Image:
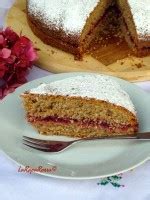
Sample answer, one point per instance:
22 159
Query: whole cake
71 25
81 106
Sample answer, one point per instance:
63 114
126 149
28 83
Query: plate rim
51 175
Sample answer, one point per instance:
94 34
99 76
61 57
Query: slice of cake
135 24
69 25
81 106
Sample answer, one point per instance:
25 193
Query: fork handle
139 136
144 135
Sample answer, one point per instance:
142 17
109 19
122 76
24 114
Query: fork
57 146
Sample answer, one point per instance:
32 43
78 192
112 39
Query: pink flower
16 57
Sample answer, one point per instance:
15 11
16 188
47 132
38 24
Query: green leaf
116 177
115 184
104 182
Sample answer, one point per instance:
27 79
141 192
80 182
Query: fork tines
42 145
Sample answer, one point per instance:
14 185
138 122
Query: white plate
86 160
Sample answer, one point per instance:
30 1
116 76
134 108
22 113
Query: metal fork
57 146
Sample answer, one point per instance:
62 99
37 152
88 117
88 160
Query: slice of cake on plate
81 106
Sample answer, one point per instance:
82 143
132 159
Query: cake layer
42 106
97 123
76 130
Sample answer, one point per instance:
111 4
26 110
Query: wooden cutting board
54 60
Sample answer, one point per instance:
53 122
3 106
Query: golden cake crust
50 37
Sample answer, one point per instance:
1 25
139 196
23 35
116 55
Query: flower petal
1 93
31 54
3 69
1 39
6 53
10 36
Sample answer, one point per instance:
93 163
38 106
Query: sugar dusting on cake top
69 15
99 87
140 10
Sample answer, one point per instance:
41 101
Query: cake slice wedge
135 24
81 106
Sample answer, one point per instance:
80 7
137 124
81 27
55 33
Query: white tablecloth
134 184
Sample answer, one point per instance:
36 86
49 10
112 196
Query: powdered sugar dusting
69 15
141 15
99 87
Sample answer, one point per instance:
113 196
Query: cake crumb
132 61
52 51
121 62
139 65
118 43
37 49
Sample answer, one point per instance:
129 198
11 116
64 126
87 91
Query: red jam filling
83 123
